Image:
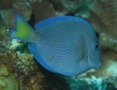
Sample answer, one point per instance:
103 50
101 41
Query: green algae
7 80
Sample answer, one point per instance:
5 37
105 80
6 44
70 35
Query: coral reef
19 7
40 12
3 31
104 16
92 83
75 5
5 4
7 80
34 82
109 64
108 42
24 62
16 60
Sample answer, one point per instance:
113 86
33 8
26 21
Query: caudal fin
22 30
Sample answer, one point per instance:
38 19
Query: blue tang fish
63 44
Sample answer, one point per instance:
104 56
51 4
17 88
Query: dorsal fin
57 19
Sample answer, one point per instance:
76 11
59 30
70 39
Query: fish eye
96 46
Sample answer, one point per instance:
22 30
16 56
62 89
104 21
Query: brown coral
37 81
104 16
32 83
42 10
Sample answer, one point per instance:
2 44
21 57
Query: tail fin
22 30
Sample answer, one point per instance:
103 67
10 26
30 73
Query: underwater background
20 71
